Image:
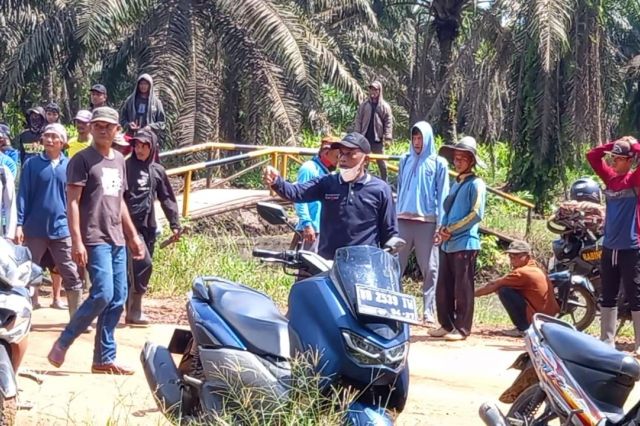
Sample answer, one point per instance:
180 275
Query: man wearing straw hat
459 238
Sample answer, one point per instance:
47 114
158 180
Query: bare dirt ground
448 380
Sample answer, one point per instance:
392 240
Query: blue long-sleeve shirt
42 198
464 215
356 213
309 213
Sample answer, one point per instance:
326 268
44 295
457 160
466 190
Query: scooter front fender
360 414
8 386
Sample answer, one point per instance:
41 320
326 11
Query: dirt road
448 380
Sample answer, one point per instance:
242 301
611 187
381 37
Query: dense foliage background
548 78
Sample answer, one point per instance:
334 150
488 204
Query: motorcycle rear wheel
582 308
531 407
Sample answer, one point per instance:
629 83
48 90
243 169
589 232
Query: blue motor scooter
350 311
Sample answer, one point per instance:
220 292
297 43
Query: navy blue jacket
42 198
356 213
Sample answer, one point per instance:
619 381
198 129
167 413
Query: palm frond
549 20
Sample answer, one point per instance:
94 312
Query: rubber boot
608 325
635 316
135 316
74 299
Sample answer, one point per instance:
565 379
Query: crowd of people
440 222
353 207
84 206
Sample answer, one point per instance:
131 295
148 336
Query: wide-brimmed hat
466 144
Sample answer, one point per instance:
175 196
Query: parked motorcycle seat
585 350
254 316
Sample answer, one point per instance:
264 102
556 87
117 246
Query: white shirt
9 209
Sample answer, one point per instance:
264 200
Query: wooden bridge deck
210 202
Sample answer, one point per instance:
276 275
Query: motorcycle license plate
387 304
592 255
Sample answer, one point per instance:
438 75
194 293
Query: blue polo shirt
356 213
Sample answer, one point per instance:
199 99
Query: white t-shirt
9 211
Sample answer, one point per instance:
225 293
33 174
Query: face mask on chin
352 173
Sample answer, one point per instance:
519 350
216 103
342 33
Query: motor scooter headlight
365 352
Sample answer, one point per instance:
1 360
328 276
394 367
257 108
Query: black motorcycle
575 272
578 252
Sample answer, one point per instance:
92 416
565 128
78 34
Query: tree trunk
446 21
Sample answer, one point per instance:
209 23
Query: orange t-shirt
533 284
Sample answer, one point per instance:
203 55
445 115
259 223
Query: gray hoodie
135 109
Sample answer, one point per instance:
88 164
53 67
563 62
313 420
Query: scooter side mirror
272 213
394 245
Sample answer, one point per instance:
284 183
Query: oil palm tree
252 68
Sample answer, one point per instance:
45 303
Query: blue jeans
108 272
516 306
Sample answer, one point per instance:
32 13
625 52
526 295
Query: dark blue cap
354 140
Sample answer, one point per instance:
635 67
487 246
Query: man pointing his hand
357 208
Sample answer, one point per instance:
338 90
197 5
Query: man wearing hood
142 108
146 181
28 142
375 121
423 184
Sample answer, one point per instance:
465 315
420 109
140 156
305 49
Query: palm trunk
447 121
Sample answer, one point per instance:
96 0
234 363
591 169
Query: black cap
99 88
52 106
145 136
354 140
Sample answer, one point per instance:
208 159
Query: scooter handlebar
268 254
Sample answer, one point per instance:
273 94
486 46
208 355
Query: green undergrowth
200 255
175 267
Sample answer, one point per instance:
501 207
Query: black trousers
378 148
620 266
455 290
140 270
516 306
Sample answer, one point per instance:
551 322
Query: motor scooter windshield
365 266
16 268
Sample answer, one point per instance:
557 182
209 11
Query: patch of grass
307 402
198 255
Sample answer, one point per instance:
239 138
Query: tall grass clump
301 399
176 266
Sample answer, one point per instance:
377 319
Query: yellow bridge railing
278 157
